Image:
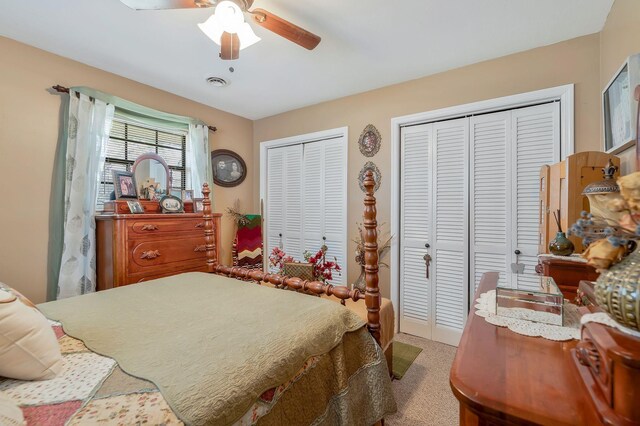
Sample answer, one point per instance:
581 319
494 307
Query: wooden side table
500 377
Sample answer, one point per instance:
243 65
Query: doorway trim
564 94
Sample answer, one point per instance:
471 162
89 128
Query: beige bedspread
211 344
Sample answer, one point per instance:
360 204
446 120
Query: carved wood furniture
371 295
500 377
132 248
608 362
567 273
561 187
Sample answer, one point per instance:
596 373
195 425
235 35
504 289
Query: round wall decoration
369 141
229 168
377 176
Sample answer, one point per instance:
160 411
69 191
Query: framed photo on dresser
124 184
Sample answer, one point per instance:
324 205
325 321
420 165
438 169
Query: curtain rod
62 89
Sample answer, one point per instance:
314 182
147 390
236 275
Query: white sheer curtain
199 161
88 128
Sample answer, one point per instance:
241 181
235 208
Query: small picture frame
171 204
124 184
198 205
135 207
187 195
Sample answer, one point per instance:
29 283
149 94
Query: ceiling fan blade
229 46
168 4
285 29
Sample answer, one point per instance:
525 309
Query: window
127 141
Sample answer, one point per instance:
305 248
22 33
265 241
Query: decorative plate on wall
369 141
377 176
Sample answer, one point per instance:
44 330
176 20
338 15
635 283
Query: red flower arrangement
322 268
278 258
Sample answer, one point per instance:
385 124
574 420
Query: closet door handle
280 235
427 245
517 252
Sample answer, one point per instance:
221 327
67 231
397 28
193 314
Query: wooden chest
132 248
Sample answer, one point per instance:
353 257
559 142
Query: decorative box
300 270
544 304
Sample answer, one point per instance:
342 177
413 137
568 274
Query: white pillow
29 349
10 413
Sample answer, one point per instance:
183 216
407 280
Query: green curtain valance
141 114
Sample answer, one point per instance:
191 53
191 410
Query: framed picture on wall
229 169
619 107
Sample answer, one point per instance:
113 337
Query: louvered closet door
490 192
535 142
292 206
275 198
324 199
334 204
312 199
415 230
449 267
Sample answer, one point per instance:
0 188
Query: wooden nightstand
567 272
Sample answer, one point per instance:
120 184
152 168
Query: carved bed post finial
209 240
372 292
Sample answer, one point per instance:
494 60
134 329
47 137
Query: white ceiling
366 44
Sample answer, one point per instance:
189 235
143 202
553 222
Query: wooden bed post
372 292
636 96
209 240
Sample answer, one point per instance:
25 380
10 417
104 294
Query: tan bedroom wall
620 38
28 136
573 61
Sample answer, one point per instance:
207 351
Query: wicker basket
298 269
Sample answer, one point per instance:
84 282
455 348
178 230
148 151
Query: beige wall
620 38
28 135
574 61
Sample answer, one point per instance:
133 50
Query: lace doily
486 308
604 318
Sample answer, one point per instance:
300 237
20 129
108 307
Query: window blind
127 141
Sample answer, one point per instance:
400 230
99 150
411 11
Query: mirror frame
153 156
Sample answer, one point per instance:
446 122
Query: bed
216 348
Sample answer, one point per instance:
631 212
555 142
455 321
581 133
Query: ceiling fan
227 27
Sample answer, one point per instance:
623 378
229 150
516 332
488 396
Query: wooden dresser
501 377
132 248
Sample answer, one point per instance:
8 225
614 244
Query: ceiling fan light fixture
247 36
229 18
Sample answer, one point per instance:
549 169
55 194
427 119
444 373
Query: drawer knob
202 247
149 227
588 356
151 254
200 225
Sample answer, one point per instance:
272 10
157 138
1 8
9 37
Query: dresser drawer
165 226
166 253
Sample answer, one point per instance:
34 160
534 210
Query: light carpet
423 395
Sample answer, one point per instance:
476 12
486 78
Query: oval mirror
153 176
